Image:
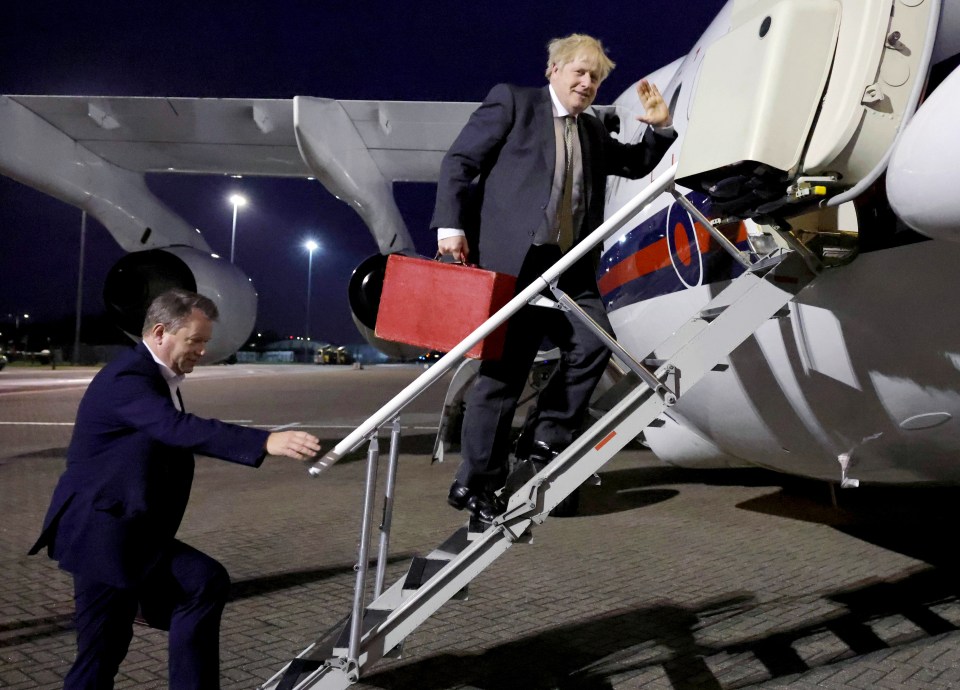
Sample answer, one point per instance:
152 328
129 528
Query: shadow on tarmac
257 586
904 519
27 630
907 520
21 631
575 656
622 490
595 653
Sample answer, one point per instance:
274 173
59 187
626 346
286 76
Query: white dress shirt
173 380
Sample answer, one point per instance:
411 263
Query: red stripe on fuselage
651 258
655 256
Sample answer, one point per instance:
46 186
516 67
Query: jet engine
923 177
139 277
366 284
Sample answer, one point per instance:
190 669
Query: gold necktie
565 212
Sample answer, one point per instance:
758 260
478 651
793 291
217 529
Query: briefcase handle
439 257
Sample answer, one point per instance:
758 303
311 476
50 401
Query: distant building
313 352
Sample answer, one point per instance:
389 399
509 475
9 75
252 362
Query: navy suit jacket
119 503
504 160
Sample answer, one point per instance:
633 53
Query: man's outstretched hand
293 444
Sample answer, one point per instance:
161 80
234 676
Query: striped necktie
565 213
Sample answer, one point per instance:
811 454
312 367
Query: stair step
767 263
476 528
452 546
711 314
421 570
693 349
371 618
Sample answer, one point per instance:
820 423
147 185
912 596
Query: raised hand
655 108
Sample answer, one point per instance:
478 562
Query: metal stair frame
693 350
449 360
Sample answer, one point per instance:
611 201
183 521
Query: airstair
339 658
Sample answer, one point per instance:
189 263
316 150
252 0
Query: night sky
452 51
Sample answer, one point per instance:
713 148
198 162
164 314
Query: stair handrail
390 409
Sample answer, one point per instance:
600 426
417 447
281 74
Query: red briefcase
436 305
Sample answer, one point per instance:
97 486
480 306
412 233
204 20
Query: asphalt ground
668 578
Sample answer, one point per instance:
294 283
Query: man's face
182 349
576 84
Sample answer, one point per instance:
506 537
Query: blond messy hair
560 51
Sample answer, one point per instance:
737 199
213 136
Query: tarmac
667 578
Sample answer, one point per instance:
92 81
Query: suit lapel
543 125
586 153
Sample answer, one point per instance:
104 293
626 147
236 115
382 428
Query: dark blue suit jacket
504 161
129 470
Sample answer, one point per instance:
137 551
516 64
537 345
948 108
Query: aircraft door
802 100
760 85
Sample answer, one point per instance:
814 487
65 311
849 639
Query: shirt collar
172 379
558 109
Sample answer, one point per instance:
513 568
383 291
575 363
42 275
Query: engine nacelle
678 444
139 277
924 177
366 284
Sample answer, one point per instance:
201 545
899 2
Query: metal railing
448 361
389 413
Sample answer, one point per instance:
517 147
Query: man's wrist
444 233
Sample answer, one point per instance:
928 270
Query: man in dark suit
532 164
116 509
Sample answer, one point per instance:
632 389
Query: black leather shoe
485 506
459 495
542 453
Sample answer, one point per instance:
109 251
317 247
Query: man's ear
157 331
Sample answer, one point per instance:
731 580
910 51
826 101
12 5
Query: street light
237 200
311 247
76 330
16 326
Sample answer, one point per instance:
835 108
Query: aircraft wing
93 152
186 135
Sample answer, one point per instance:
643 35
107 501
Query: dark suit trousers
492 401
184 594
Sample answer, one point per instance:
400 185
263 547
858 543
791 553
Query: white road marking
14 382
250 423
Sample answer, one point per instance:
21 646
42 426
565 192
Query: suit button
532 233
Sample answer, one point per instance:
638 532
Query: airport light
311 247
16 325
237 200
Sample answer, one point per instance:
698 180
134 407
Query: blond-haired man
523 182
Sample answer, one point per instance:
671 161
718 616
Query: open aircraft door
801 102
